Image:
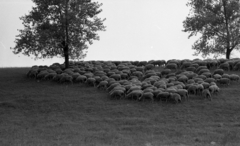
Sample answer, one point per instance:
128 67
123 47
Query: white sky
136 30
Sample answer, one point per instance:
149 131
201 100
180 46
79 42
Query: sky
136 30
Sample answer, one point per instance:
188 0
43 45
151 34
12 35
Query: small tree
218 22
59 28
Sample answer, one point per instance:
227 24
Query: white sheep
41 75
209 80
234 77
206 94
112 86
32 73
117 94
91 81
171 66
146 95
218 71
134 88
118 88
183 93
50 76
136 94
214 89
163 96
175 97
225 81
217 76
200 88
102 85
224 66
66 79
192 89
81 79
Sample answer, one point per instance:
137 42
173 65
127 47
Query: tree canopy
218 22
61 28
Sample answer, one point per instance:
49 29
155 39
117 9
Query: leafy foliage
218 22
55 25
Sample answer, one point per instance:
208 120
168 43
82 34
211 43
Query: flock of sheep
140 80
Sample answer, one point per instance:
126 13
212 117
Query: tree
60 28
218 22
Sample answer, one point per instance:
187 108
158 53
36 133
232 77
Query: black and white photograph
119 72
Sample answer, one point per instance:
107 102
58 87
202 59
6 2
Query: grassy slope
46 113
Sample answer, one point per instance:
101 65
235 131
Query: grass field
49 114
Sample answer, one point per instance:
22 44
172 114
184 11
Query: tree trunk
66 49
66 56
228 53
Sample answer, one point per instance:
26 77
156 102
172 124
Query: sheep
146 95
175 97
111 81
118 88
75 75
217 76
50 76
139 74
57 77
190 81
185 65
171 89
66 79
112 86
218 71
81 79
147 90
207 74
149 66
134 88
191 68
183 79
206 94
237 66
200 88
183 93
91 81
197 79
102 85
117 94
32 73
214 89
192 89
117 77
209 80
234 77
205 85
124 76
136 94
163 96
225 81
202 71
140 68
201 67
166 71
146 85
202 76
172 66
224 66
226 76
98 80
41 75
157 91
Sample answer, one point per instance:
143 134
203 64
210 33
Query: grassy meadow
50 114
